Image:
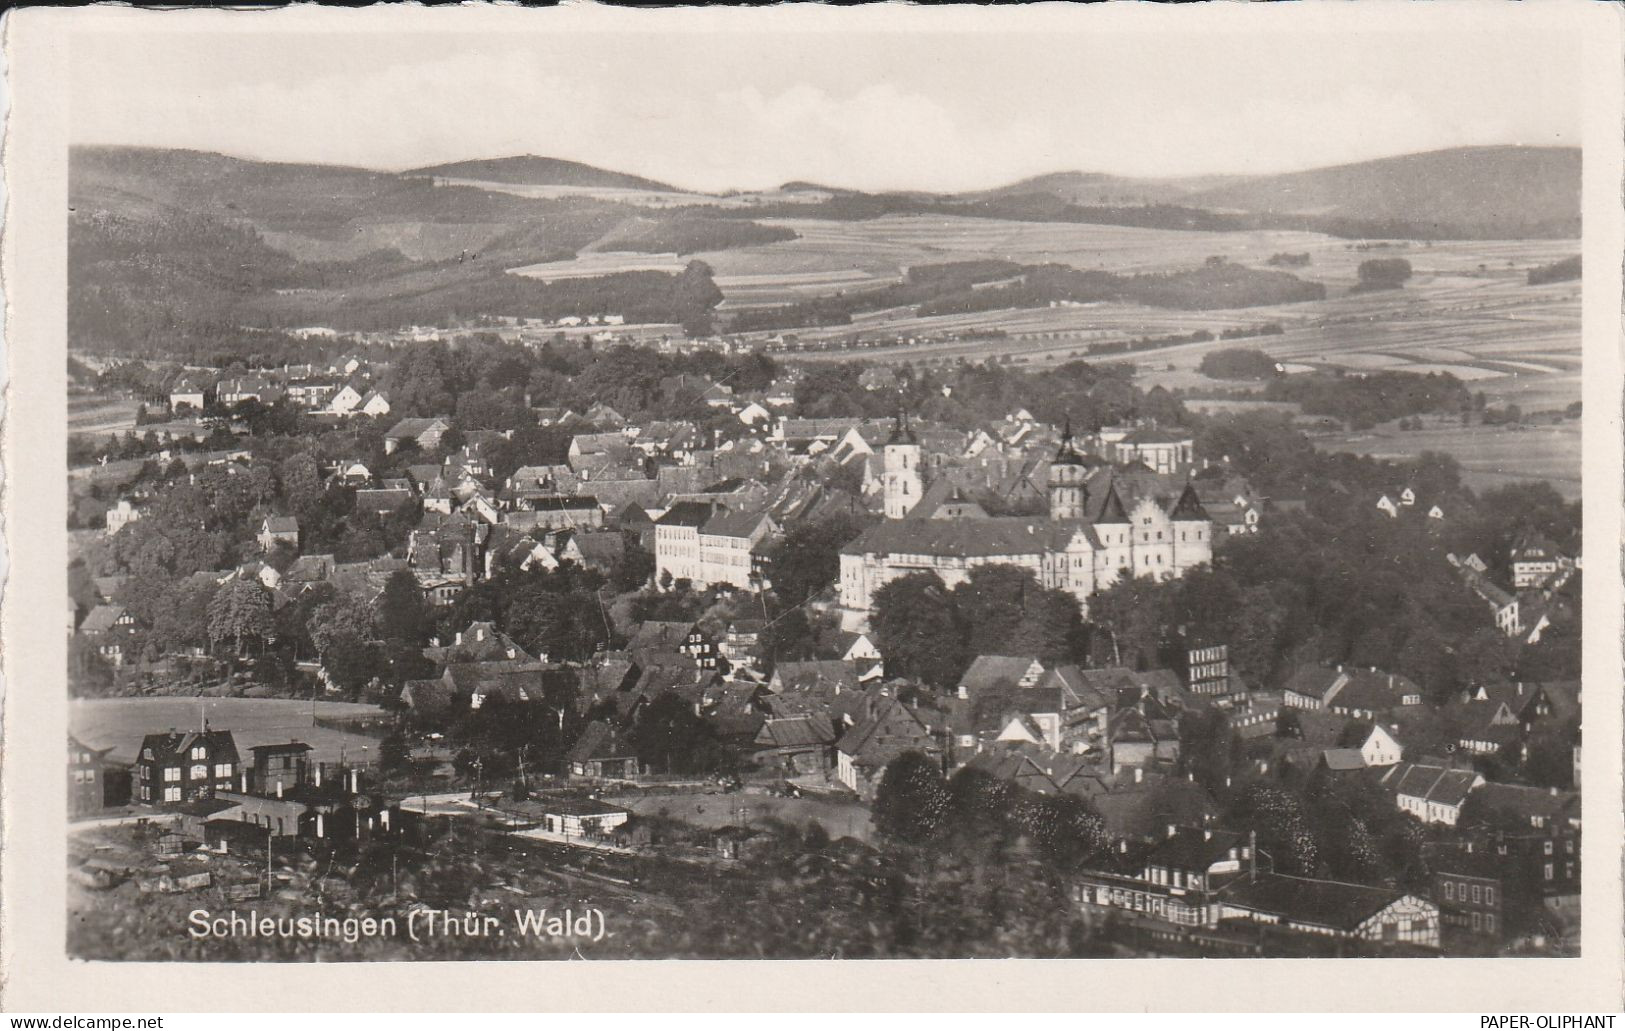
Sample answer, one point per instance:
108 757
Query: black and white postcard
1091 484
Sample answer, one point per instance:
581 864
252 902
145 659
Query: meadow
1490 456
95 414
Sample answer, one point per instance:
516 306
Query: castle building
1102 524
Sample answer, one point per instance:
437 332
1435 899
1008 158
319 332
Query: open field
1517 343
120 723
840 819
1490 456
92 414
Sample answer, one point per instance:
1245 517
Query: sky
869 110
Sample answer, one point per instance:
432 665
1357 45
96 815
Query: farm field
1517 343
1490 456
840 819
120 723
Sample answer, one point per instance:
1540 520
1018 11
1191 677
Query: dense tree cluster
1383 273
928 632
1364 401
1237 363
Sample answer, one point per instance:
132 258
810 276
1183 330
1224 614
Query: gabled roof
600 741
1330 904
102 619
659 635
1441 784
1528 802
687 513
995 673
1342 760
174 746
970 538
281 524
822 677
796 732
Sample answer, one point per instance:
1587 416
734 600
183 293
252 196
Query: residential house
183 766
1433 794
796 745
191 390
425 433
121 515
886 729
601 753
1469 889
112 630
88 780
278 529
1381 747
1538 563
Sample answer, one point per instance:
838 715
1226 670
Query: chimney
245 781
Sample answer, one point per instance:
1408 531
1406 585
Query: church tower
904 481
1068 494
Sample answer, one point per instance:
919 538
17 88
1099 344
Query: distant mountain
1484 192
1097 188
1487 191
529 170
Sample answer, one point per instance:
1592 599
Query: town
768 657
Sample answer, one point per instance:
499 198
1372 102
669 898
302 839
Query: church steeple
904 478
1068 495
901 433
1067 454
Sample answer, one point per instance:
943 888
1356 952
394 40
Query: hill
1097 188
174 251
1489 192
529 170
1505 192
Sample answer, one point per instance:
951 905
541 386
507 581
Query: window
172 794
1489 922
199 752
1477 893
172 773
1477 922
1449 891
200 771
1546 847
222 769
1547 871
1489 895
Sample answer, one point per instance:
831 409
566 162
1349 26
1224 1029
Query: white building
1091 536
707 544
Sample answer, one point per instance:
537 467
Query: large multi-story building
707 544
1091 535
